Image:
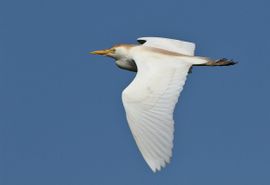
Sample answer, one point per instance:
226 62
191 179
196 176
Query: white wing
149 103
183 47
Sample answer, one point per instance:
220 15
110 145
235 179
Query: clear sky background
61 115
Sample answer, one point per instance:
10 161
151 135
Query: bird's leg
219 62
223 62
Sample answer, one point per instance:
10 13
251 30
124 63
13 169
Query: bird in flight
162 66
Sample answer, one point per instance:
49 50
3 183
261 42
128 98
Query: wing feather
149 102
178 46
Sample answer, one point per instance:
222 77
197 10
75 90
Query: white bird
162 66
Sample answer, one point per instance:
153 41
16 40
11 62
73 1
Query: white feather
178 46
149 102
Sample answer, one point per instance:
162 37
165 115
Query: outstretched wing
183 47
149 102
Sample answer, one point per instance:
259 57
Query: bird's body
149 101
128 62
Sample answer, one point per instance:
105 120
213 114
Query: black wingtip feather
141 41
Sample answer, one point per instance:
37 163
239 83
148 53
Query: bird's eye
113 50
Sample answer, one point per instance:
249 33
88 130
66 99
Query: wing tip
156 167
141 41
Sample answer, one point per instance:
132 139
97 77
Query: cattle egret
162 66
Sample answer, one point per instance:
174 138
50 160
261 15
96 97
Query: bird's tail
219 62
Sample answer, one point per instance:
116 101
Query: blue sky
61 116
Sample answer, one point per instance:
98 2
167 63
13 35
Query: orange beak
102 52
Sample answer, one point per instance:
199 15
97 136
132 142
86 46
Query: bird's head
117 52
